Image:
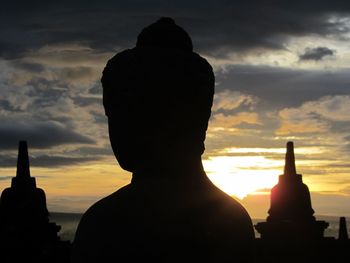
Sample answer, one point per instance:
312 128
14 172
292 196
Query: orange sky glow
245 178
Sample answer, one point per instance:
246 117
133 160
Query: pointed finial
289 168
23 161
343 231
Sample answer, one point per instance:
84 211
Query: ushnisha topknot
165 33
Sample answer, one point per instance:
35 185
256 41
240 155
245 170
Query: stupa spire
343 231
23 170
289 168
23 178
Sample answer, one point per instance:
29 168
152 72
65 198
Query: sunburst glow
242 175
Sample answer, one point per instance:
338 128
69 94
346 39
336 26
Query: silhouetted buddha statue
291 214
158 99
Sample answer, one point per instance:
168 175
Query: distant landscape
70 221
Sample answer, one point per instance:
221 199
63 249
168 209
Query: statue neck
185 170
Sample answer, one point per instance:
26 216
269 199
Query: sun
242 175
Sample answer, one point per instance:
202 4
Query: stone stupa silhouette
291 214
25 230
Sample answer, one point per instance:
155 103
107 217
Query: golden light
311 150
242 175
249 170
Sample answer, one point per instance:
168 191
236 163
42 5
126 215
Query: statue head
158 97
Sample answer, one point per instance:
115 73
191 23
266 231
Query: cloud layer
217 27
39 135
282 73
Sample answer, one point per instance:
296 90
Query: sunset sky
282 73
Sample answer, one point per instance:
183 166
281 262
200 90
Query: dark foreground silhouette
158 98
291 214
291 233
26 235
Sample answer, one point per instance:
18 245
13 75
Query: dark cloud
100 119
75 73
96 89
86 101
11 50
279 87
91 151
6 105
346 147
46 92
216 26
31 67
50 161
45 161
38 135
318 53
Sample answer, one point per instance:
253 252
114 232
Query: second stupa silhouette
23 205
291 214
26 233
